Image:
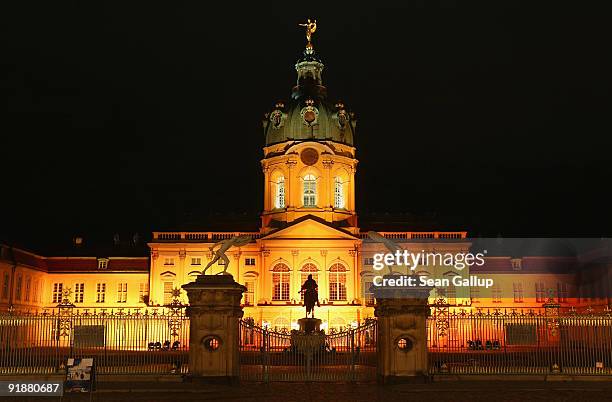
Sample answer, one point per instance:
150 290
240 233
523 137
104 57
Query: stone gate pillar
402 332
214 339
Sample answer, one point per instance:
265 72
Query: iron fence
494 341
294 356
486 341
121 342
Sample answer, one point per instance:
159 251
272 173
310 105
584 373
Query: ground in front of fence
288 392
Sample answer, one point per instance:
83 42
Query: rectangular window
122 293
475 294
280 281
143 292
58 288
168 289
18 286
367 293
280 193
28 288
368 261
168 261
451 294
196 261
518 292
562 292
310 191
249 295
100 292
540 292
338 193
79 292
36 294
249 261
496 294
337 286
5 285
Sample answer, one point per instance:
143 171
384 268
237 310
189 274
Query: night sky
122 117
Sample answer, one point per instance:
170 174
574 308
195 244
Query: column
402 333
215 313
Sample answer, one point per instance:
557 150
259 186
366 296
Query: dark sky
134 117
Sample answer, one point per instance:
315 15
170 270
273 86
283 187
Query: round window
212 343
404 344
309 156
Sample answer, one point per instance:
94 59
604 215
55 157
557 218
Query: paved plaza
489 391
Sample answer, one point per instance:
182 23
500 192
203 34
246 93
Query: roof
15 255
528 265
308 115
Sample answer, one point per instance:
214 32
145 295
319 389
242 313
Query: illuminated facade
308 226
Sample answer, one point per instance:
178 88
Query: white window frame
339 201
100 292
79 292
309 191
57 293
279 197
122 290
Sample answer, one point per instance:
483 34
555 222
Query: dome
309 115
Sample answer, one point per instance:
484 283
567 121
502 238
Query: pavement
488 391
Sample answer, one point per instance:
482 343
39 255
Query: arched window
338 193
337 282
281 324
310 191
337 324
309 269
280 280
279 198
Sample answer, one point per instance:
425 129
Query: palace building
309 226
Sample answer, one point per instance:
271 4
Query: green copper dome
309 115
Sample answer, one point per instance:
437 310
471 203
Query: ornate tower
309 158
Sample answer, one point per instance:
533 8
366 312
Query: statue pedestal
402 333
214 344
309 325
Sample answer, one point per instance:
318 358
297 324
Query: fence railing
201 236
120 343
532 342
419 235
487 341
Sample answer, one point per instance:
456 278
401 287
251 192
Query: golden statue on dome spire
311 27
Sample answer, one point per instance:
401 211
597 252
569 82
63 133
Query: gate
294 356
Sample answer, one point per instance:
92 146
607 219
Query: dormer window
102 263
517 264
310 191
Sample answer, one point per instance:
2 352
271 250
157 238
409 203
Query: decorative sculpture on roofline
311 27
389 244
224 245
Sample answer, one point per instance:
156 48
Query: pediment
310 229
